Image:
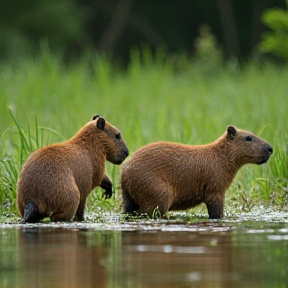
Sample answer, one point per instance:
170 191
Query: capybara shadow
56 180
171 176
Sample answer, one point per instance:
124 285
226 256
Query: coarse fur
172 176
56 180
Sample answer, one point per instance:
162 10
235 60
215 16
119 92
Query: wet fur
174 176
55 180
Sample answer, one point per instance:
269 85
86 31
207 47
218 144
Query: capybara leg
80 215
31 213
67 209
129 205
106 184
61 216
81 210
156 200
153 208
215 210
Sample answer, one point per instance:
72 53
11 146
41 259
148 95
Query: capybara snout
269 149
121 156
267 152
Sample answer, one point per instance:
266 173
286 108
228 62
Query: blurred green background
112 27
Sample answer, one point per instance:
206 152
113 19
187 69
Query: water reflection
59 258
198 255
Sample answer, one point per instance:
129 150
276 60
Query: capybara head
114 146
247 147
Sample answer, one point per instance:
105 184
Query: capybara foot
215 210
79 216
108 192
107 186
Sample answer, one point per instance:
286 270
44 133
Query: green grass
151 100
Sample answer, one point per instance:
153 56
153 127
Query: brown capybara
56 180
171 176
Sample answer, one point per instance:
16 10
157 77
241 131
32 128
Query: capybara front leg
106 184
215 209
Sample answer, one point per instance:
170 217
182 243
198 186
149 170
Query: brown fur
55 180
174 176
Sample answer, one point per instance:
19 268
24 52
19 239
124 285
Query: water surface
242 253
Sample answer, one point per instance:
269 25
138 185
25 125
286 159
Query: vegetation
45 101
114 26
275 41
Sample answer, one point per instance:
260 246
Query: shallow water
231 253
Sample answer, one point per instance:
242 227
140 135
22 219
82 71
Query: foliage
26 24
71 27
149 101
275 41
11 164
208 55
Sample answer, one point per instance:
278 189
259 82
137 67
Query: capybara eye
118 136
248 138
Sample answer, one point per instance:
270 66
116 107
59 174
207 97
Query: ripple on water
277 237
168 249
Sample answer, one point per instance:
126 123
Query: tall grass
151 100
20 148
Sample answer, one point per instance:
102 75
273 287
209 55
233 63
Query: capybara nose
270 149
126 153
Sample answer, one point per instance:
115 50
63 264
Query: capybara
56 180
171 176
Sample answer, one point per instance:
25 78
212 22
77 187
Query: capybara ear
95 116
231 132
101 123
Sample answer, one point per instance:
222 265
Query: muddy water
155 254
